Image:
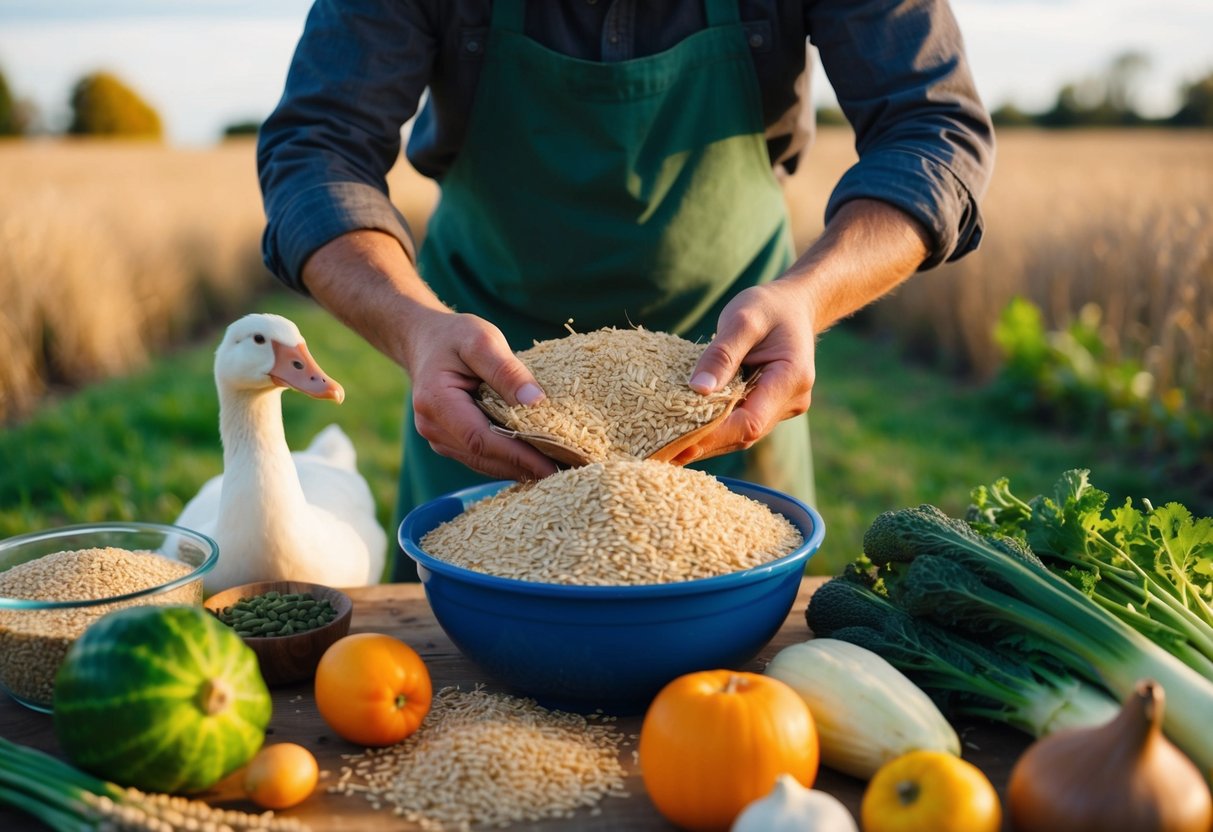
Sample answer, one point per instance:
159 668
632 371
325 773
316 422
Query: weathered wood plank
401 610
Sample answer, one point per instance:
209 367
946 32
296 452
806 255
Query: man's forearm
867 250
366 281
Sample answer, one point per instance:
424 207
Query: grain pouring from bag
614 523
614 392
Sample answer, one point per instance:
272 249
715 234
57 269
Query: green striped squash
162 698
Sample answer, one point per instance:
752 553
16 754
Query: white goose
307 516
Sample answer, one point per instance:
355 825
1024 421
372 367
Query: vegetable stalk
1016 682
966 581
69 800
1145 566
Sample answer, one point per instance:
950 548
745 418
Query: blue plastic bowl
612 647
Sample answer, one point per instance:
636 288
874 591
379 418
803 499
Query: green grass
139 447
885 435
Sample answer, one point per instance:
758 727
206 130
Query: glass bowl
54 583
583 648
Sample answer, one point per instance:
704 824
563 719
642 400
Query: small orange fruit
372 689
280 776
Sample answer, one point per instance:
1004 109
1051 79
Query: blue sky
207 63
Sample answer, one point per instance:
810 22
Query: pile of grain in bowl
490 759
614 392
614 523
34 642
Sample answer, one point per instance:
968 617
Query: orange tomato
280 776
930 791
372 689
714 741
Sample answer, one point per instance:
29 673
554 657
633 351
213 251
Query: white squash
867 711
790 807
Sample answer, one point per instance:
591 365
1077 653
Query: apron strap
723 12
509 15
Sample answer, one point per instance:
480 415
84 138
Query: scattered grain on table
614 392
614 523
482 758
34 642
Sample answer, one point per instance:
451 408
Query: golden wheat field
110 250
1119 224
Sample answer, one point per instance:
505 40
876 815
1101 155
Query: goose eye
298 365
259 338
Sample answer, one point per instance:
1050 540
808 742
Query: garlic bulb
790 807
1124 774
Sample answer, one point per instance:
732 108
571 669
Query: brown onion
1124 774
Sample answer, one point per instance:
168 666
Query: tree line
1107 99
104 105
1110 100
101 105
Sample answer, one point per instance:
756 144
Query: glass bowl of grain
54 583
594 587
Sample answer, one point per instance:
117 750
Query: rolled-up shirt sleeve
924 139
324 153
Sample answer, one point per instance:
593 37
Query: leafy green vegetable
938 567
1152 568
1018 682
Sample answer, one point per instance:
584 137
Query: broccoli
1002 594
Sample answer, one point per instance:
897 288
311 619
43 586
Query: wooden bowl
293 658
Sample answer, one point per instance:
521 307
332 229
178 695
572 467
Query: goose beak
294 367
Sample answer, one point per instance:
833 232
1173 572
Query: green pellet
276 614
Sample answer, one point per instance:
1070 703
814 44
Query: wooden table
401 610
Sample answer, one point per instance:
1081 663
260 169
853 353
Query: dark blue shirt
363 67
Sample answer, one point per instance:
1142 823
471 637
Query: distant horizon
205 65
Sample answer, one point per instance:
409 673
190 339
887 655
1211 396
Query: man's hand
769 328
867 249
368 282
450 355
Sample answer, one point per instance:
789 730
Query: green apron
616 194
